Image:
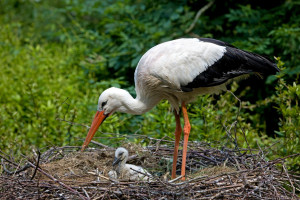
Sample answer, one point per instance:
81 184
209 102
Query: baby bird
127 171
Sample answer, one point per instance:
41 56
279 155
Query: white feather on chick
127 171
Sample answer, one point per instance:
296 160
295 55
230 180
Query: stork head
110 100
121 155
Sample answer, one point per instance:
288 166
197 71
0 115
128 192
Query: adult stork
179 71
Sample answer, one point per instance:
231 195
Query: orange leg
177 139
186 132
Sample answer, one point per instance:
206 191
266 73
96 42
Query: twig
175 179
73 123
149 177
102 145
97 174
240 103
243 174
287 174
158 143
225 191
199 13
37 165
68 106
70 127
86 194
282 159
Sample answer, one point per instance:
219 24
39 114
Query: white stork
179 71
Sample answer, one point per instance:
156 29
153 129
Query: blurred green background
58 56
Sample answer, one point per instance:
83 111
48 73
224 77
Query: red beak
98 119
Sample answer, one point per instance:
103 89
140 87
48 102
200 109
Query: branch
102 145
199 13
37 165
73 123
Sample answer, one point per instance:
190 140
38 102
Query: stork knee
187 129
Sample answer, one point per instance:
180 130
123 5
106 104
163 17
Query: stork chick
127 171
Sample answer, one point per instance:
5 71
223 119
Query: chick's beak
116 161
98 119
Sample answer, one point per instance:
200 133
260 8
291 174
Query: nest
212 173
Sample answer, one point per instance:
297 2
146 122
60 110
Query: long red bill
98 119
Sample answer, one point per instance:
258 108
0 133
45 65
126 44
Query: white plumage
168 61
127 171
179 71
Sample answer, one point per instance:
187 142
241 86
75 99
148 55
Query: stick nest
212 173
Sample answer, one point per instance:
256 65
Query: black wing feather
235 62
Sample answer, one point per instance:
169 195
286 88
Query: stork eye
103 104
120 154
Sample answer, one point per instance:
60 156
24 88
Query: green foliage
58 56
287 100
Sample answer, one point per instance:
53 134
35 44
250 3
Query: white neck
121 167
138 105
